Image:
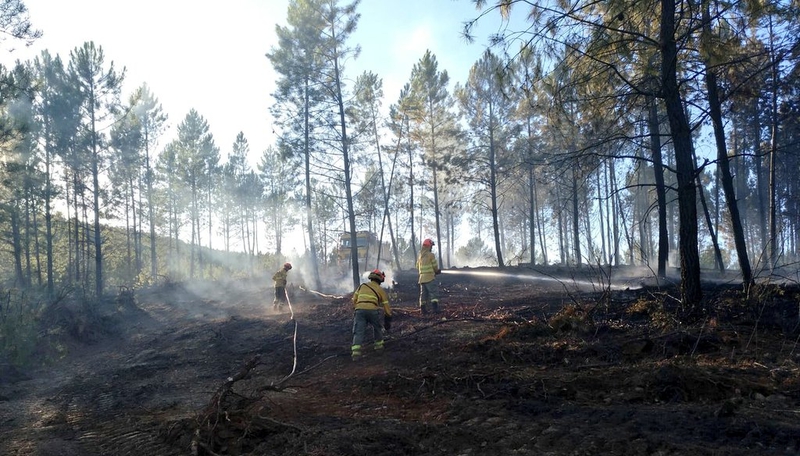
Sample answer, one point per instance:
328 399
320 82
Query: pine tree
196 159
297 60
366 112
485 101
100 90
126 144
153 123
434 122
57 116
276 173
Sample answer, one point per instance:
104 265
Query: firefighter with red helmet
280 279
369 302
428 269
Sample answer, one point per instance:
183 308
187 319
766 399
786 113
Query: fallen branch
307 290
210 416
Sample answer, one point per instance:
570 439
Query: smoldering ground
511 366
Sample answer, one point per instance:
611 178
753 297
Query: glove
437 271
387 322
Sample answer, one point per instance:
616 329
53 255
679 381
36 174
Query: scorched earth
537 361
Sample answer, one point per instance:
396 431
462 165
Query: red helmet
377 275
287 266
428 243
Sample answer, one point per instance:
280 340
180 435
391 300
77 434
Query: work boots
423 308
435 306
355 352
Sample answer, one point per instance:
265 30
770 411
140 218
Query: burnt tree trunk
691 292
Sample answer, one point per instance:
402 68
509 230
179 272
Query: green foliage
553 146
707 259
475 253
18 326
173 261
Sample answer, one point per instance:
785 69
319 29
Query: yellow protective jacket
280 278
427 265
370 296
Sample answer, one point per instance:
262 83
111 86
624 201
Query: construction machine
367 248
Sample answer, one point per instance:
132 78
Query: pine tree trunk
411 197
16 240
37 249
723 165
773 196
385 191
27 239
136 238
691 292
436 213
98 244
395 252
493 193
151 217
307 155
615 211
661 191
128 242
575 221
48 221
714 242
600 199
351 216
532 213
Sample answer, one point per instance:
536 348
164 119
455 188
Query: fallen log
314 292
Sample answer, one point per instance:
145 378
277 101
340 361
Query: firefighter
369 302
280 286
428 269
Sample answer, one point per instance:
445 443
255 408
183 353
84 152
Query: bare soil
512 366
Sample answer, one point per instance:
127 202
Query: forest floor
529 365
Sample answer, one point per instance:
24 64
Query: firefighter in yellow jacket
428 269
369 302
280 279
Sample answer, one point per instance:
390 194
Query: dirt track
510 367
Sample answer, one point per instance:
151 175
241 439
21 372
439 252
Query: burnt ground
510 367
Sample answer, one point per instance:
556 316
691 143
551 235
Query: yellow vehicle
367 247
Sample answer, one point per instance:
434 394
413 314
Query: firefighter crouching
369 302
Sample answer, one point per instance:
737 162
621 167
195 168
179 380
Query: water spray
538 278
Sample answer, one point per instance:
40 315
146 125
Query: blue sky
210 55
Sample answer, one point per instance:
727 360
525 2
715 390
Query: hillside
514 365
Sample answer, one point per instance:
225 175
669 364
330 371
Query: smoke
221 298
333 280
474 254
341 282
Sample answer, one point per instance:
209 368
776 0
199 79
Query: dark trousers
280 296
